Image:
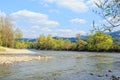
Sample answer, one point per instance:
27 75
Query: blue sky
63 18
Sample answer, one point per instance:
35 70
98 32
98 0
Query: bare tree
109 10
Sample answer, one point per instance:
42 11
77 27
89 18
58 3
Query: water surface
65 65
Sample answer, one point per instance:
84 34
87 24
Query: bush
99 42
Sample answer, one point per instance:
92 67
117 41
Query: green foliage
20 45
7 34
17 34
6 31
24 45
41 42
115 46
81 45
58 44
48 43
99 42
74 46
67 45
0 40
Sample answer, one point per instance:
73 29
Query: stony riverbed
65 65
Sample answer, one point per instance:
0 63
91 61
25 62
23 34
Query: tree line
97 41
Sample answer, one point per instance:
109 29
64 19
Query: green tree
0 40
67 45
60 43
6 31
81 45
18 34
116 46
74 46
41 42
21 44
49 42
99 41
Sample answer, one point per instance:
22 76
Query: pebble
100 75
109 70
106 75
115 78
91 74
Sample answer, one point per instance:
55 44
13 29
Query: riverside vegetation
97 41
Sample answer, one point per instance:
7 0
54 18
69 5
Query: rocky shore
4 59
13 59
111 77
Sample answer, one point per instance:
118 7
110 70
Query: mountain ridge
115 35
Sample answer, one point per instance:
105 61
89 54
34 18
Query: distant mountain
115 35
28 39
72 39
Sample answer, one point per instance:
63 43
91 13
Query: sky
61 18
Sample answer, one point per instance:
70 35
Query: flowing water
65 65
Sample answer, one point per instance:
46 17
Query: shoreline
13 59
17 51
25 58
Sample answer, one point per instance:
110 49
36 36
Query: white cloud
78 20
2 14
68 32
32 23
46 29
35 27
34 18
65 30
74 5
91 3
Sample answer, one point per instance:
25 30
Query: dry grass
2 49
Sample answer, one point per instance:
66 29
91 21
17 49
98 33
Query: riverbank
17 51
12 59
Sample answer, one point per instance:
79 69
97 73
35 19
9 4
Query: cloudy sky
64 18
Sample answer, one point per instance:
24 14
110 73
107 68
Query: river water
65 65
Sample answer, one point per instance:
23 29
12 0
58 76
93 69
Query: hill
115 35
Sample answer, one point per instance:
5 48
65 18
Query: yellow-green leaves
99 41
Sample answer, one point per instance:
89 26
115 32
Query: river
65 65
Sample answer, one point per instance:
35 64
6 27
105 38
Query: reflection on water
64 66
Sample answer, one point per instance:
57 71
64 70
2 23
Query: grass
2 49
